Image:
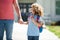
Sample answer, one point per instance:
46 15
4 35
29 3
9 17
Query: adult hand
20 21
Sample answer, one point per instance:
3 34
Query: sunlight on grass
55 30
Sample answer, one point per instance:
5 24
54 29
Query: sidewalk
20 33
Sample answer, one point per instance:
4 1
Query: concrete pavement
20 33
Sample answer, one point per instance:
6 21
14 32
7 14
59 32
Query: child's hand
25 23
35 22
31 17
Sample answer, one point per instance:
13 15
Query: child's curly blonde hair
37 9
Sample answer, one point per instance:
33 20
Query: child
33 30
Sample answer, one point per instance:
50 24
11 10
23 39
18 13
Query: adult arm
16 6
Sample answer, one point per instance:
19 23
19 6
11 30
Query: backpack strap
40 28
37 18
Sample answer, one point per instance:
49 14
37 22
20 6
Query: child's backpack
40 28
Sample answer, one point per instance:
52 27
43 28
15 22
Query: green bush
55 30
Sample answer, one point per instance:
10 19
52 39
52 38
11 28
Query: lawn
55 30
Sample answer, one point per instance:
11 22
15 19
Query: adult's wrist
18 17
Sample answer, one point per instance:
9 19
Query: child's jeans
6 25
33 37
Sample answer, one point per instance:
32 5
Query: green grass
55 30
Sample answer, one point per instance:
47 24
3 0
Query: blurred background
51 9
51 13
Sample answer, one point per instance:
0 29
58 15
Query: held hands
20 21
